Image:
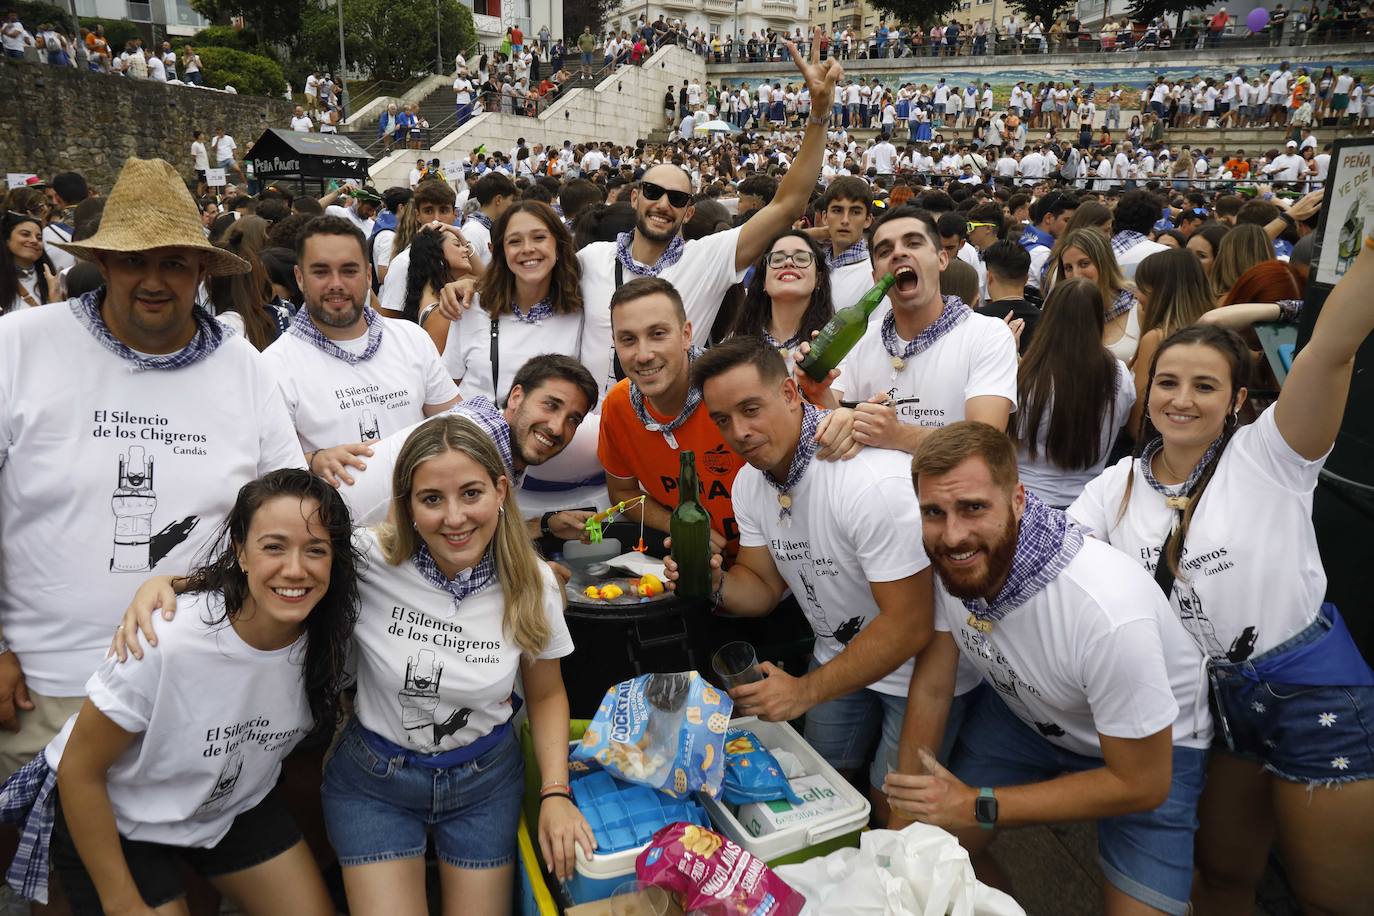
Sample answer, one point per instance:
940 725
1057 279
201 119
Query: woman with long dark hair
173 760
437 257
247 302
1222 515
1173 294
1074 396
27 275
1205 243
788 296
531 293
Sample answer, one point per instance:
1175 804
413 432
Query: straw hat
151 208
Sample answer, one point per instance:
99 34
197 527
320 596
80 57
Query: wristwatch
985 808
544 523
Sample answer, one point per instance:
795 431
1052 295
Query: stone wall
59 119
621 109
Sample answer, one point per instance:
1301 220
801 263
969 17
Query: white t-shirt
198 156
883 155
431 675
701 276
977 358
381 247
467 353
462 91
829 553
1250 576
348 213
157 70
1094 652
332 402
1057 486
1130 259
480 237
392 295
302 123
224 148
76 539
214 717
849 283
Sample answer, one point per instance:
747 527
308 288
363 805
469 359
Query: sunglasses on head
678 199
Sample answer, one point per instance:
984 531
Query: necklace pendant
1177 503
982 626
898 364
784 500
670 439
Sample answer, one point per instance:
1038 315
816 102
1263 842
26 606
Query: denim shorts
378 809
1299 732
843 730
1147 855
258 835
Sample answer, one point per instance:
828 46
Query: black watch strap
544 522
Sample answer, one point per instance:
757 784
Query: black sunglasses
678 199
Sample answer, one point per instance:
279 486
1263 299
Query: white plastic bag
919 871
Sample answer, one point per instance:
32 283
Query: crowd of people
361 425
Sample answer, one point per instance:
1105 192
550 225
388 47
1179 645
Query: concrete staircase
435 107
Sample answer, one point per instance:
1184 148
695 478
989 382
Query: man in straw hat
129 418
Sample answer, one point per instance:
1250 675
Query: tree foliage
267 17
577 16
389 39
1047 10
249 74
923 12
34 15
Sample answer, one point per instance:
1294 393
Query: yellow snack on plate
591 591
611 591
650 585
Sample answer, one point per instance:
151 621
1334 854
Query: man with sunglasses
700 270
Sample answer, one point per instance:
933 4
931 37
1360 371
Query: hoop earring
1232 420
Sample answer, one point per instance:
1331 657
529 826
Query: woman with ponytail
1222 514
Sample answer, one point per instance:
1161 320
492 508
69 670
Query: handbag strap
1164 573
495 358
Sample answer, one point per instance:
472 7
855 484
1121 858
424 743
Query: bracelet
1288 220
548 795
544 523
819 122
554 785
718 593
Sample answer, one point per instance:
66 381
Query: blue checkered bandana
1045 543
303 326
209 335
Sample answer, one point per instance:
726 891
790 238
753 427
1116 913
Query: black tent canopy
299 157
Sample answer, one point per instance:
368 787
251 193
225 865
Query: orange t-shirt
627 449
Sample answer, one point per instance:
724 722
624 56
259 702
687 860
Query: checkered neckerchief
955 311
1186 488
851 255
801 458
27 802
667 259
537 312
303 326
1125 240
481 219
209 335
688 408
488 417
1045 543
1125 299
467 582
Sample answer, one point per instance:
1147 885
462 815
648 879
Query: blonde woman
454 605
1086 253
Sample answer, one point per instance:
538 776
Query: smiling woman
27 275
788 296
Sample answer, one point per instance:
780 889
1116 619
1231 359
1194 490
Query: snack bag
751 772
707 872
666 731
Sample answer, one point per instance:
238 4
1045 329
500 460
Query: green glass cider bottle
843 331
690 527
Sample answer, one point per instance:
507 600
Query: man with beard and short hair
862 581
549 398
349 375
930 360
1094 707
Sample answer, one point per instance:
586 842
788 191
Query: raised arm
795 190
1310 407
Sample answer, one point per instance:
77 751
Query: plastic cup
635 898
736 664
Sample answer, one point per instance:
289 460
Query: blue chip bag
752 773
665 731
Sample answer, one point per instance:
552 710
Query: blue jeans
1147 855
843 730
380 809
1266 710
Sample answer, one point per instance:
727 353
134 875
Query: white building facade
172 17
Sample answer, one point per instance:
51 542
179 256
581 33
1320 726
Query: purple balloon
1257 19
